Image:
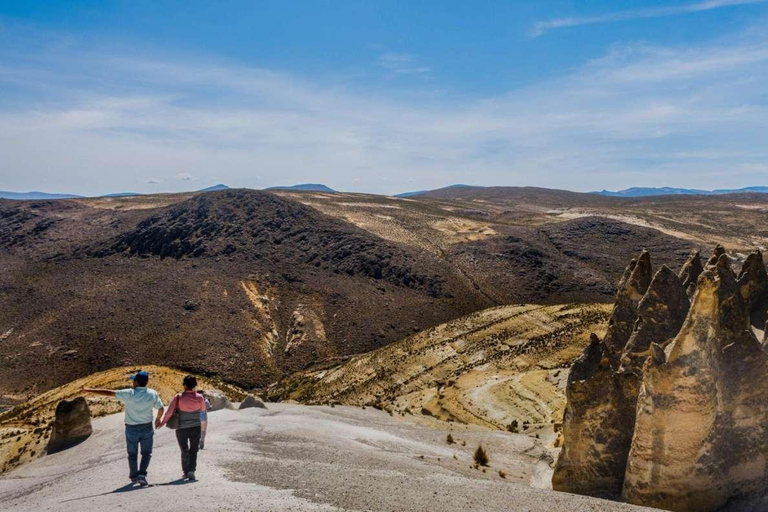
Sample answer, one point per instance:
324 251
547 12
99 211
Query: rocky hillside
25 429
668 408
251 286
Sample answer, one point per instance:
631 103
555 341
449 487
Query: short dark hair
190 381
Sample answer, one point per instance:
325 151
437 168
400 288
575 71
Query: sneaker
134 479
191 475
142 480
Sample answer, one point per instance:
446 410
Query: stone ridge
681 429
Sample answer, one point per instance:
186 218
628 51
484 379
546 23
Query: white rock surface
297 458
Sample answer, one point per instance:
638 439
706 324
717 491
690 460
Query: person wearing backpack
139 402
183 415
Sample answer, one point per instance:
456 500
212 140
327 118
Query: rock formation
681 423
217 399
71 426
690 273
603 383
250 402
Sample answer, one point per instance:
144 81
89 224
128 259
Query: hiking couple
187 413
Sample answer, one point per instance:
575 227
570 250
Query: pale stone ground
293 457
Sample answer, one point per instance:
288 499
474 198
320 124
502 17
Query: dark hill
240 284
262 227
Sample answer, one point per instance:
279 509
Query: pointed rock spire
691 270
632 287
660 314
581 467
719 251
753 282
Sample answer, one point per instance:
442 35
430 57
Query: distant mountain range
319 187
214 188
420 192
670 191
306 187
34 195
31 196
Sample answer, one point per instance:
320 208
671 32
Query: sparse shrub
502 474
514 427
426 412
481 457
449 439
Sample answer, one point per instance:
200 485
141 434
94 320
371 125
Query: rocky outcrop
603 384
587 464
690 273
703 407
682 420
632 287
217 399
71 426
250 402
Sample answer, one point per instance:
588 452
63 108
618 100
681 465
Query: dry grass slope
494 367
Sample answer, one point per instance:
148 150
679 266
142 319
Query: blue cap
141 377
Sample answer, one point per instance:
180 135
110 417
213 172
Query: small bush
502 474
480 456
513 427
449 439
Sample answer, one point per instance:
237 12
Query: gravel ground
294 457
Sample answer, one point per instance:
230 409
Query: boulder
72 424
217 399
251 401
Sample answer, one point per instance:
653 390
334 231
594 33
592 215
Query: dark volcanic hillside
241 284
271 230
249 285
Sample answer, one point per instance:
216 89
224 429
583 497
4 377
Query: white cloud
654 12
640 115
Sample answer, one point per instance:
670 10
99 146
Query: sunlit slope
495 367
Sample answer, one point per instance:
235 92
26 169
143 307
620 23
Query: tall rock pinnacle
631 289
701 411
601 400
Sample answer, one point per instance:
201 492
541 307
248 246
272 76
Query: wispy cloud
640 115
632 14
152 181
402 64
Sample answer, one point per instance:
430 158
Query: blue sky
382 96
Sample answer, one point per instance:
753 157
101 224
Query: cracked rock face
678 421
702 407
71 426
